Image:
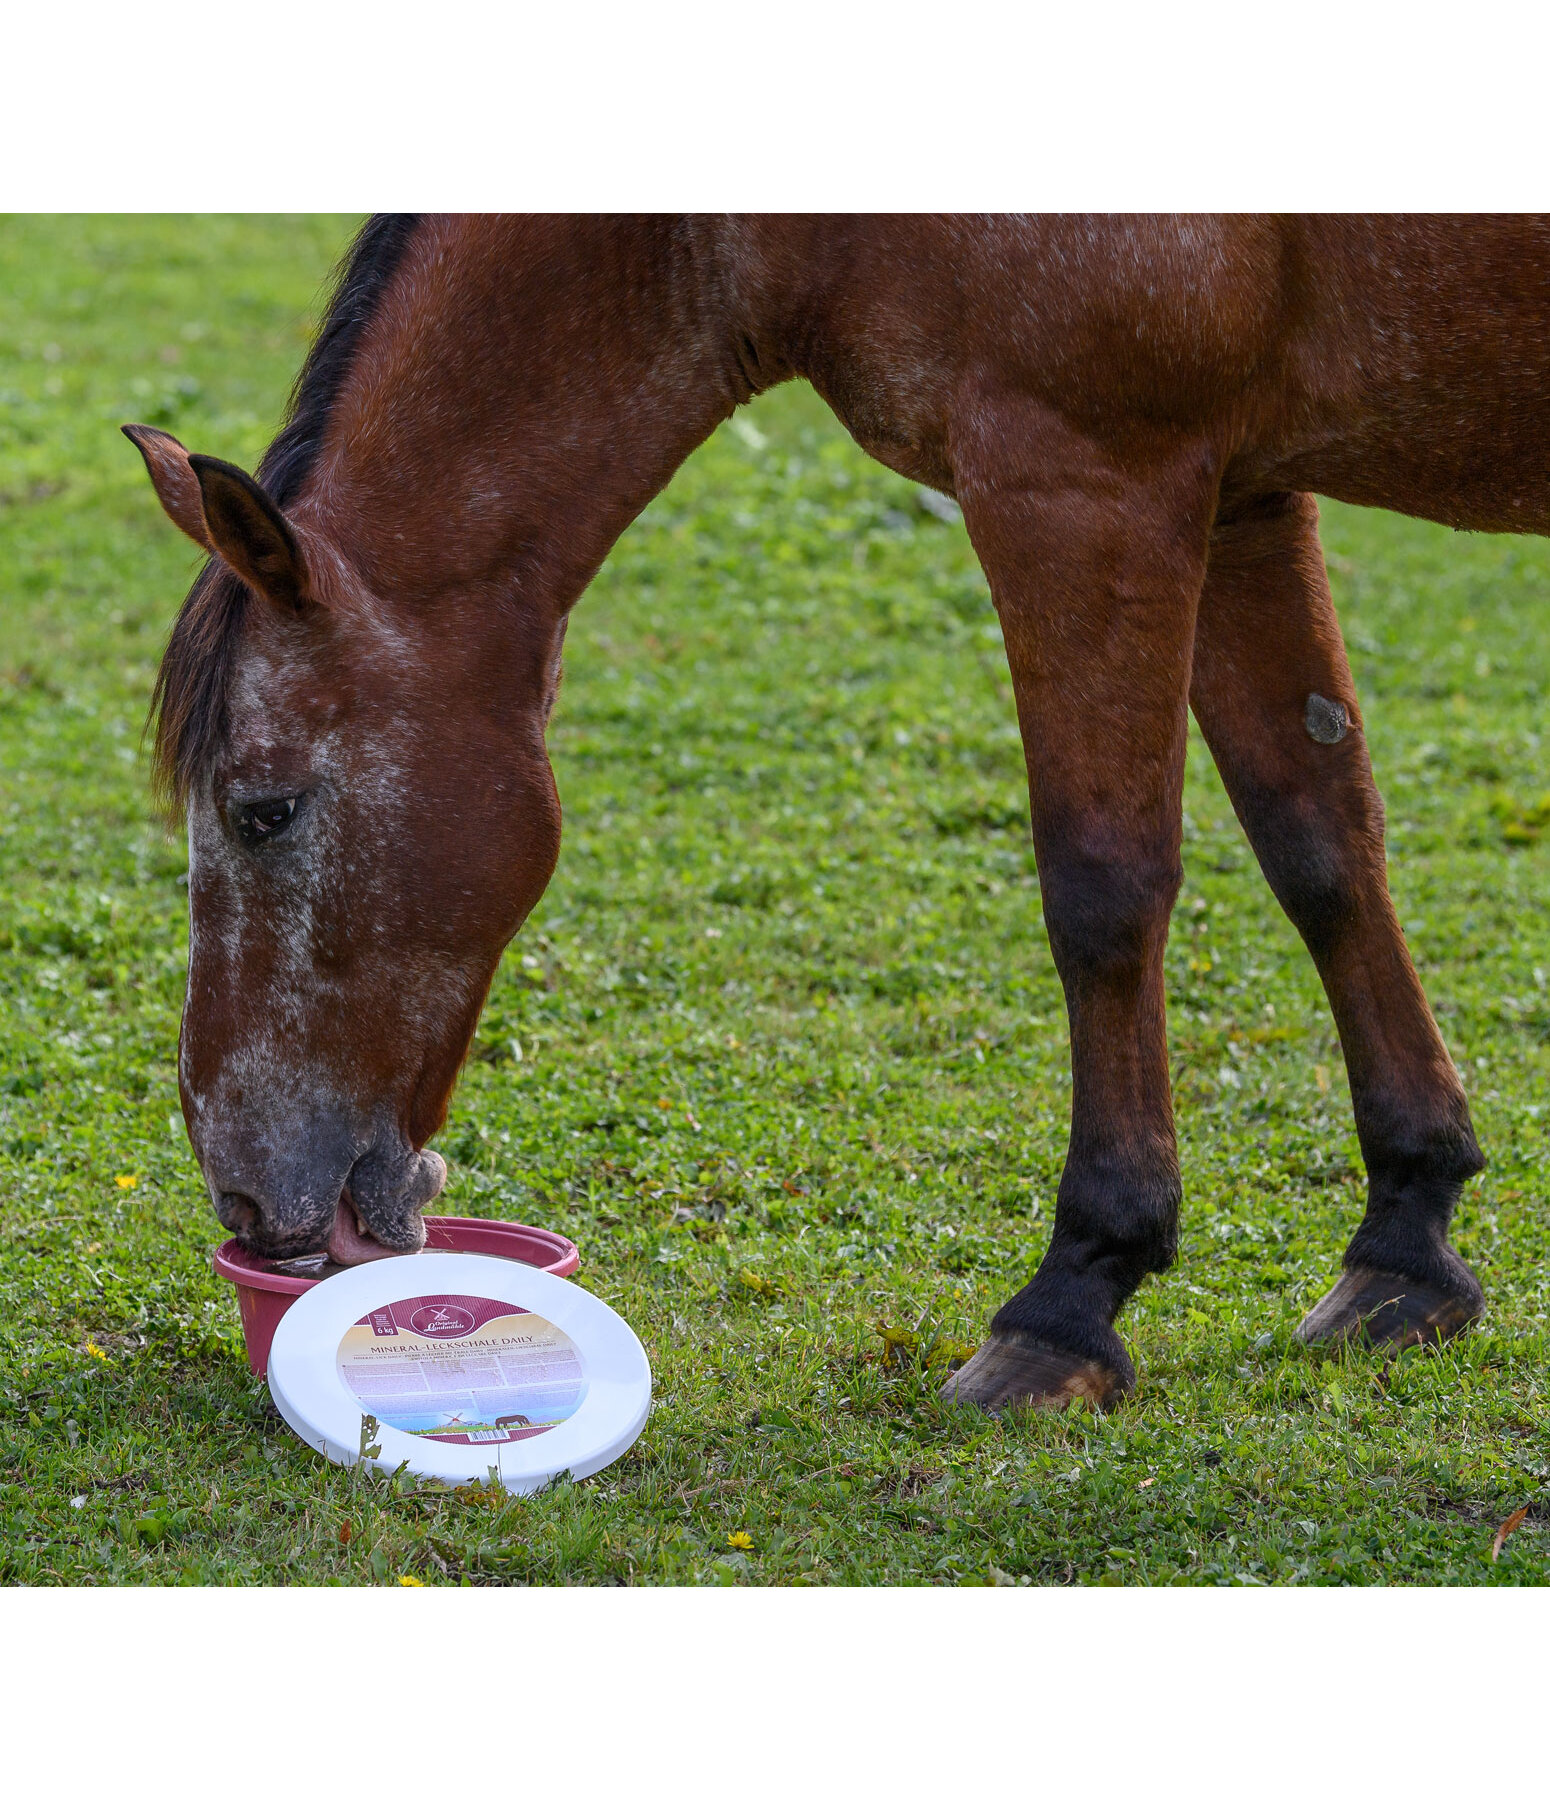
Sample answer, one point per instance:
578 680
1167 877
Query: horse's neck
525 388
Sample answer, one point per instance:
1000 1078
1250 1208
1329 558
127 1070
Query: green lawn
782 1048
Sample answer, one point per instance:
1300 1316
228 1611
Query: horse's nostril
237 1212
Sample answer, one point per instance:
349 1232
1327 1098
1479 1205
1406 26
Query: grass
782 1048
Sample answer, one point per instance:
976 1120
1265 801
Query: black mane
188 706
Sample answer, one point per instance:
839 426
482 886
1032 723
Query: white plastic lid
471 1366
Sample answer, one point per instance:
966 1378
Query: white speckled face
370 836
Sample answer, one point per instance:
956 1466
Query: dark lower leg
1411 1115
1116 1212
1274 697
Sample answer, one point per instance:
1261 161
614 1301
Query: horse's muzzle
364 1209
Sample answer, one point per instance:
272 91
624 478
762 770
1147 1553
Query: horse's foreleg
1274 697
1096 572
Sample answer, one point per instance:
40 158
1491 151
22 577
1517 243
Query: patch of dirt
122 1484
917 1480
1478 1512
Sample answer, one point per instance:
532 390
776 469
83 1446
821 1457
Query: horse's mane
188 706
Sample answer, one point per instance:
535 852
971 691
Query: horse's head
371 815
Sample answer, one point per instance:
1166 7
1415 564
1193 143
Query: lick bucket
266 1293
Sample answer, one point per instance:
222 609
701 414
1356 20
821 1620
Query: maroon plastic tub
265 1294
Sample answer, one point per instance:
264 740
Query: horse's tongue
346 1243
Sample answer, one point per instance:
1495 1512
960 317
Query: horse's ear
248 531
172 476
225 511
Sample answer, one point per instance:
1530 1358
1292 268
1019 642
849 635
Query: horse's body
1132 413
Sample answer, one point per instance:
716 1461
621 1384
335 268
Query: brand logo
442 1321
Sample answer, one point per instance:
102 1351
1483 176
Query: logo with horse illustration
442 1320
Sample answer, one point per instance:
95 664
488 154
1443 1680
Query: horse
1134 414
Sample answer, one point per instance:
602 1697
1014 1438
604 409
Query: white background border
811 104
962 1695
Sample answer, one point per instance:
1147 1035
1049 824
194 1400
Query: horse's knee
1106 904
1318 860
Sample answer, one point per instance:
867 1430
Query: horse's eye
264 819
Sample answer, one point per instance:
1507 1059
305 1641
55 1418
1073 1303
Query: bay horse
1134 415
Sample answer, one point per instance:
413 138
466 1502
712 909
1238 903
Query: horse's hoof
1390 1310
1012 1371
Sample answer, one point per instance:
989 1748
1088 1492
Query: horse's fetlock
1407 1155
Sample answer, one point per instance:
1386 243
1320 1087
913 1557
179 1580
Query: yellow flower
127 1181
95 1350
410 1581
739 1540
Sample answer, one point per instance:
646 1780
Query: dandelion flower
739 1540
126 1181
97 1351
410 1581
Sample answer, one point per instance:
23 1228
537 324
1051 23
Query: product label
462 1370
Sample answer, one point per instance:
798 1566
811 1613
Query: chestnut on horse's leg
1096 574
1273 693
